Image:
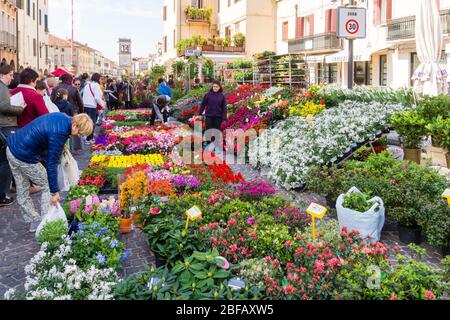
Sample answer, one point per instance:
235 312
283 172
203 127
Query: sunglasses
78 84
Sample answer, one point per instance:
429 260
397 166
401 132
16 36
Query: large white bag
68 172
52 108
369 223
55 213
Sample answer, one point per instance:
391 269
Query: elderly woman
44 138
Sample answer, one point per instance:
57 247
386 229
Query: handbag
99 107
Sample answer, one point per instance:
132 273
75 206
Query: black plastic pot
390 225
445 251
159 260
410 235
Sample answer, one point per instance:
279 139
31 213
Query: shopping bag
63 182
71 169
369 224
55 213
52 108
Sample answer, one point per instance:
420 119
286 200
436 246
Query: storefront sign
351 23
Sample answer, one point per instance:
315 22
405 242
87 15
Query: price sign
351 23
194 213
236 284
316 210
446 195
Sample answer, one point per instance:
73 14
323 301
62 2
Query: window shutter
388 10
311 24
300 27
438 3
334 20
328 20
377 12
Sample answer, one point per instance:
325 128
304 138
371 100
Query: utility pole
350 57
38 44
72 46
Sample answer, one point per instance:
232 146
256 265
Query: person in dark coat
214 105
43 138
160 109
61 102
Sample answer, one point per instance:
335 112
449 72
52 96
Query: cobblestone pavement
433 256
140 256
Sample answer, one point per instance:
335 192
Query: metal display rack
285 70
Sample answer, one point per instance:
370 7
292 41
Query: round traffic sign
352 26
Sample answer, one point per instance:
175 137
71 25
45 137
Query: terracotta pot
125 225
438 156
413 155
207 48
379 149
218 48
136 218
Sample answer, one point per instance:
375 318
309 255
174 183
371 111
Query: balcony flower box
218 48
228 49
208 48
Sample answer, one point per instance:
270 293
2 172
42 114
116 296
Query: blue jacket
164 90
215 105
64 106
43 138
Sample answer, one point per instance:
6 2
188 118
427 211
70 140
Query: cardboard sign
316 210
194 213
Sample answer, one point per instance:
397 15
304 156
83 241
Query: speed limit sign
351 23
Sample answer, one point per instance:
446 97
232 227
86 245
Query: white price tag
316 210
194 213
446 194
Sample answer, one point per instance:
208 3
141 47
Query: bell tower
125 56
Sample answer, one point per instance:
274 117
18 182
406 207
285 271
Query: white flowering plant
294 145
54 275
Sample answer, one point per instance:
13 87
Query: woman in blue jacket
42 139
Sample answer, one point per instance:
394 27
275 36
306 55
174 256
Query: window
34 11
28 8
227 32
285 31
218 5
383 11
164 13
46 22
40 17
383 70
62 60
361 70
174 38
34 48
165 44
306 26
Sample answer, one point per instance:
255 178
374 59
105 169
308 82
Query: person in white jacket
93 99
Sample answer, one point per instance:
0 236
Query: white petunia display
294 145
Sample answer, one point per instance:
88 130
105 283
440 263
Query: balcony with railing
405 28
318 42
195 15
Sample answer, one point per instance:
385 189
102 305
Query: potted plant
227 45
126 221
239 41
439 130
436 225
218 45
358 211
412 128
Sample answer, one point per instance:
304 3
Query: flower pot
125 225
379 149
413 155
159 260
218 48
136 219
445 251
390 225
207 48
438 156
410 235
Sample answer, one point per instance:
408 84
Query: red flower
202 229
393 298
288 244
429 295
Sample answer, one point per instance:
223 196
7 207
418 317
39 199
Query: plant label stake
236 284
316 211
446 195
193 214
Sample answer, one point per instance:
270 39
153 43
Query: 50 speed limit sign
351 23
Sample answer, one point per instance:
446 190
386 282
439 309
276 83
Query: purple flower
251 221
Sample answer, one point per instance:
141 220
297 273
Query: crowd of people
60 114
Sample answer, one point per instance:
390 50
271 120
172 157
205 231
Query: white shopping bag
68 172
369 224
52 108
55 213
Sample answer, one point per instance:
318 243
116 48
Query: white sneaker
34 225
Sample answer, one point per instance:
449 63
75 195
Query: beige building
32 33
178 25
60 53
254 18
8 33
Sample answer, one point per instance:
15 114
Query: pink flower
429 295
319 266
155 211
202 229
288 244
232 222
393 298
251 221
289 289
405 166
393 182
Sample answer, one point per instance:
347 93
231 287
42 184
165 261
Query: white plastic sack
68 172
55 213
52 108
369 223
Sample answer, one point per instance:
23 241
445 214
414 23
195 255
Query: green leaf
197 267
201 275
222 274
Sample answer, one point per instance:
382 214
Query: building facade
178 25
59 53
32 31
253 18
386 57
8 33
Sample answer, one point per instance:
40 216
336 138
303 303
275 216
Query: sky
100 23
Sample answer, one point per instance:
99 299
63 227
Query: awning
358 55
315 59
223 58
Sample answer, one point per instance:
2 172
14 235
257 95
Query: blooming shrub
255 189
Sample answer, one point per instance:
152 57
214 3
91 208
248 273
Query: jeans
24 172
93 114
5 170
213 123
